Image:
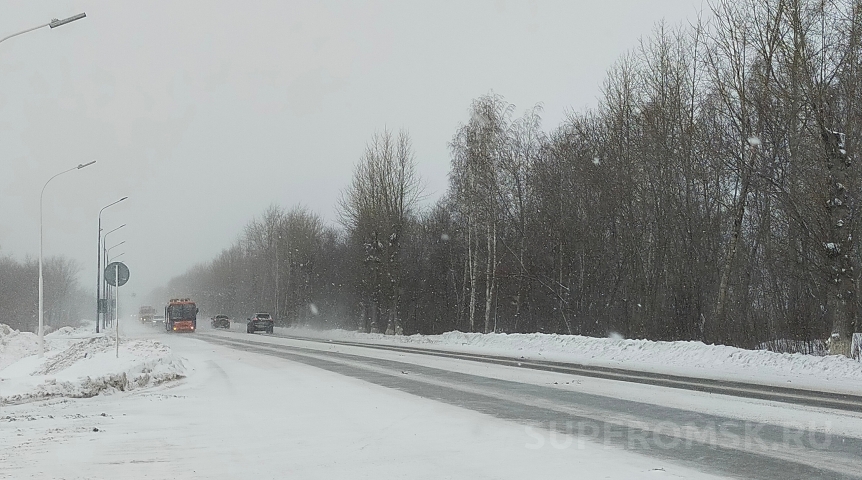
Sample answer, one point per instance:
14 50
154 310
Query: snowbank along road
836 400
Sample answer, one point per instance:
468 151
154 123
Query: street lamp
109 249
116 289
105 240
105 281
105 236
53 24
105 259
99 258
41 303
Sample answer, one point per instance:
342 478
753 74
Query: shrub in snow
784 345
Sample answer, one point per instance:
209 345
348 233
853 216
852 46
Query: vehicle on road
146 314
158 319
260 322
181 315
220 321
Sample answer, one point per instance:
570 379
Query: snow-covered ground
828 373
737 408
238 414
15 345
80 364
246 415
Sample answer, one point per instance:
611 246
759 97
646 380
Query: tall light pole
105 236
105 242
108 250
104 250
116 289
41 302
99 259
105 282
105 257
53 24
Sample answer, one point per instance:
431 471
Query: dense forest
711 195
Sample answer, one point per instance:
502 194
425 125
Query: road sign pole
117 274
117 316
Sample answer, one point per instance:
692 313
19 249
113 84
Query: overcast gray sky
204 113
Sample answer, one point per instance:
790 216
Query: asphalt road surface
694 438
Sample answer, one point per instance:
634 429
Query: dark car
220 321
260 322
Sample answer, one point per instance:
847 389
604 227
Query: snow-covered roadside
833 373
248 415
15 345
79 364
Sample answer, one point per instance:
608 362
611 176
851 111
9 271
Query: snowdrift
81 365
15 345
681 358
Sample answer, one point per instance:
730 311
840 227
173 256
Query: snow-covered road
283 408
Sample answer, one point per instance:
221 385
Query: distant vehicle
260 322
220 321
181 315
146 314
157 319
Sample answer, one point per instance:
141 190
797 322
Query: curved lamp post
105 236
99 259
41 301
105 253
111 247
53 24
105 242
105 257
104 281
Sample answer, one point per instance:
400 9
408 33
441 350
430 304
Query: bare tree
478 149
375 209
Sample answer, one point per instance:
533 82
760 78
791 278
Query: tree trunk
841 289
490 266
471 255
739 216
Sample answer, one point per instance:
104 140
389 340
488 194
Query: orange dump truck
181 315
